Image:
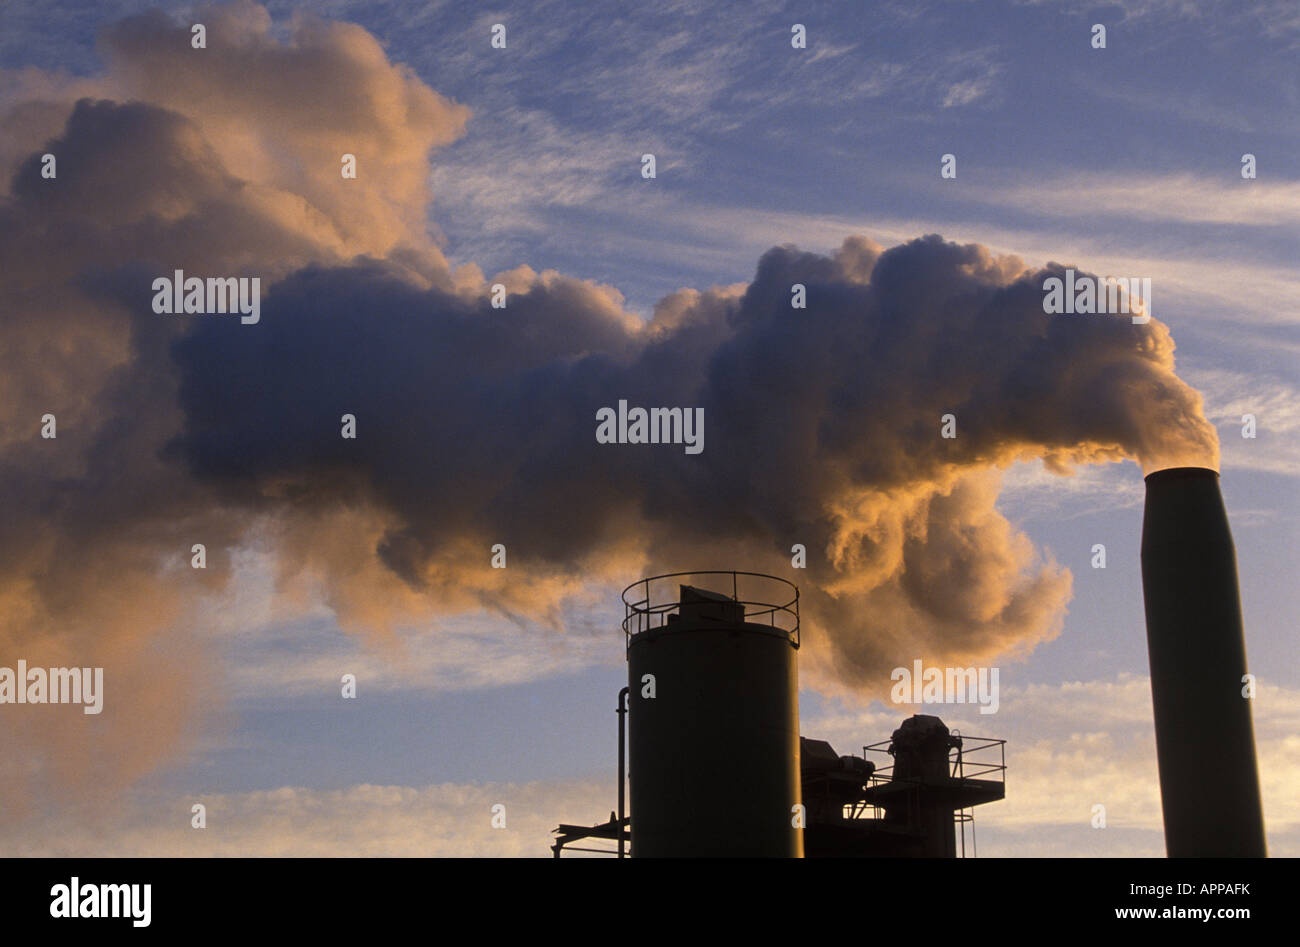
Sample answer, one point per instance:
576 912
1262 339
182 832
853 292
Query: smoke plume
476 425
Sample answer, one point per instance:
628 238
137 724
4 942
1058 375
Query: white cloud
269 657
1182 197
1229 395
441 820
1070 746
1031 490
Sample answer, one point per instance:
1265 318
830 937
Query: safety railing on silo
765 599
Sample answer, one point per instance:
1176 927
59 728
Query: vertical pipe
622 769
1205 741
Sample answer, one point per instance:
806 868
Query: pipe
622 756
1205 741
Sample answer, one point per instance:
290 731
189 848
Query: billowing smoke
823 426
476 425
216 164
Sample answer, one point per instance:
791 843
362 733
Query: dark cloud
822 426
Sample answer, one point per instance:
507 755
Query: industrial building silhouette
709 742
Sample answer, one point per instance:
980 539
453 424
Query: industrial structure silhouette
718 767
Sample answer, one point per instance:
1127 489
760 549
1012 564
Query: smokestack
1205 742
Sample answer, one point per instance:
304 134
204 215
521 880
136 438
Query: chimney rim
1181 473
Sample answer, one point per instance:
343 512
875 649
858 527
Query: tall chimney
1205 742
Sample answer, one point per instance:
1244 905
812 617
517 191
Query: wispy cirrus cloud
442 820
1172 197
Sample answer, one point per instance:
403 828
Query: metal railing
962 767
767 599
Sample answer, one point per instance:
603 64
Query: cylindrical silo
713 724
1205 741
